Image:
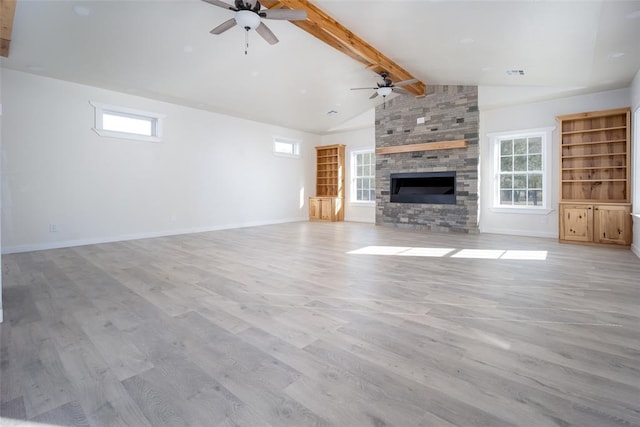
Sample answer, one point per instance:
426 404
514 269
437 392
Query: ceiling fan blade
287 14
374 95
220 4
224 26
399 90
405 82
266 34
364 88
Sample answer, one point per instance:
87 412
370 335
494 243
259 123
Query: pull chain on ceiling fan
248 15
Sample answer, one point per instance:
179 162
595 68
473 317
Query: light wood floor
280 325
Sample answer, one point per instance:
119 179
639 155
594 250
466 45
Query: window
127 123
286 147
363 176
520 167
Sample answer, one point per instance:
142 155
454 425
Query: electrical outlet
53 228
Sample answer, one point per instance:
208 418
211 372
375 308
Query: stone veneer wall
451 113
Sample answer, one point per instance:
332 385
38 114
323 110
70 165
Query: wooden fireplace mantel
425 146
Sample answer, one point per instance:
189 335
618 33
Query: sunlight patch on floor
26 423
507 254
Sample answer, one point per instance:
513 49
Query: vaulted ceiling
162 49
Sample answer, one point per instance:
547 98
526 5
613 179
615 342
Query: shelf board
595 180
595 114
595 201
582 156
574 132
593 142
594 168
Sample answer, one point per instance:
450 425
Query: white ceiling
162 49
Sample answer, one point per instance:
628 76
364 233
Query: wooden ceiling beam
325 28
7 12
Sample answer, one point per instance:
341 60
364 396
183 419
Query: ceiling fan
248 15
387 87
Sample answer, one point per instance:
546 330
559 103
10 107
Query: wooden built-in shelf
595 163
425 146
328 203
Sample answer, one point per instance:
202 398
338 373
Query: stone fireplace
450 113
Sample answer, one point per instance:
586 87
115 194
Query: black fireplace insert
424 187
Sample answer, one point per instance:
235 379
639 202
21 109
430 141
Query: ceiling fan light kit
384 91
247 19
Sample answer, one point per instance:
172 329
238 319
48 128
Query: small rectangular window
127 123
117 122
286 147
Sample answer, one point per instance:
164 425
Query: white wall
211 171
359 139
635 151
522 117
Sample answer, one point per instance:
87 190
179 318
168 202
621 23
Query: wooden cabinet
576 223
595 175
328 204
325 209
612 224
604 224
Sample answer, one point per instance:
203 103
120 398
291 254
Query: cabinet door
314 209
326 209
612 224
576 223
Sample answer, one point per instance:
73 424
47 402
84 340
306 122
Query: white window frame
353 169
155 119
546 135
294 143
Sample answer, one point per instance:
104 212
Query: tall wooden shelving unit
328 204
595 169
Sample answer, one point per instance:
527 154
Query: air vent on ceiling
515 72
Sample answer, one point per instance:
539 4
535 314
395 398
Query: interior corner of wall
635 248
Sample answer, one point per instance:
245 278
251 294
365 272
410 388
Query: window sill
522 211
362 203
123 135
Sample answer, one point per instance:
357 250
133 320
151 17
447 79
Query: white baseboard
1 316
360 219
524 233
635 248
135 236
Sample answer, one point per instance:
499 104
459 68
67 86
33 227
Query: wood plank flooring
310 323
